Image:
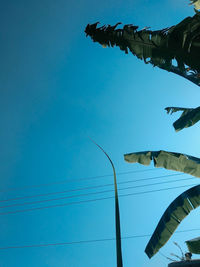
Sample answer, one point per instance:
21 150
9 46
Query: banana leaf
196 4
189 117
168 160
182 205
175 49
194 245
172 217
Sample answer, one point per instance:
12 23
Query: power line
94 187
92 200
91 193
72 180
87 241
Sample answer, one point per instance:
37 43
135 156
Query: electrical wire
91 193
91 200
72 180
87 241
94 187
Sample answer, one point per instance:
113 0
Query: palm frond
183 204
175 49
194 245
168 160
189 117
196 4
172 217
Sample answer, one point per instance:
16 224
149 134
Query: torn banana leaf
168 160
172 217
189 117
194 245
175 49
196 4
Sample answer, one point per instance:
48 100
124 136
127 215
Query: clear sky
57 88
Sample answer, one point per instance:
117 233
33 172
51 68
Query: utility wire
94 187
72 180
88 241
91 200
91 193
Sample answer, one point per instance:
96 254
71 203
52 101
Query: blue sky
56 89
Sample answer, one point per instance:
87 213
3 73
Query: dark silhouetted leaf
175 49
172 217
194 245
189 117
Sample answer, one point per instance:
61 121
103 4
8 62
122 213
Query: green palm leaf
182 205
194 245
189 117
179 44
172 217
196 4
168 160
